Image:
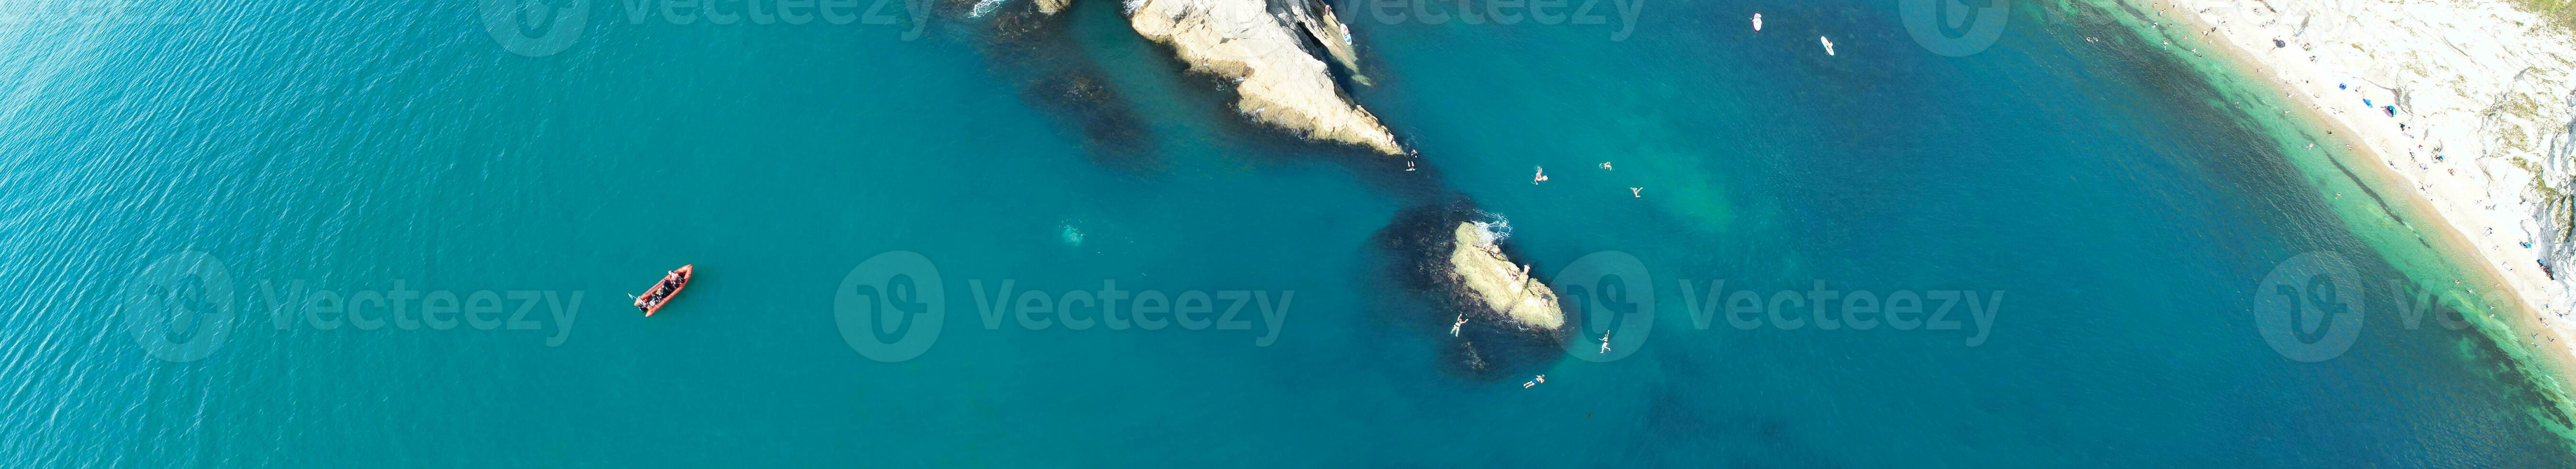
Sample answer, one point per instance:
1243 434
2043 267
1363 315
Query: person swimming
1541 177
1605 341
1637 191
1605 165
1453 327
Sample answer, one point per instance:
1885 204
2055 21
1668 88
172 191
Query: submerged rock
1036 49
1278 81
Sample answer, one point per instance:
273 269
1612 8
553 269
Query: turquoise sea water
2128 217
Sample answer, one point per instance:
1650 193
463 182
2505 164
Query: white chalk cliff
2486 94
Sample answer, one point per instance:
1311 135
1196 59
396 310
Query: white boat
1829 44
1757 22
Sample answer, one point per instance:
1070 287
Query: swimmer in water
1453 328
1605 341
1636 191
1541 177
1605 165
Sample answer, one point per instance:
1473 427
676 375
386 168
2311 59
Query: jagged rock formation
1503 288
1455 256
1278 81
1328 31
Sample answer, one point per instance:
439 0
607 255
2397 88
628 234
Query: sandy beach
2465 103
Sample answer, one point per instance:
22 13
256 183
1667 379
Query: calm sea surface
364 152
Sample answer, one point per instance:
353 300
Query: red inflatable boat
662 292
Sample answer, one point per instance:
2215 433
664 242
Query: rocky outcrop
1278 81
1502 287
1495 319
1052 6
1328 31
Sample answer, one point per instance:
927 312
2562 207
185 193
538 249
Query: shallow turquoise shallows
2127 214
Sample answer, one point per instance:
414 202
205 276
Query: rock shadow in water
1058 78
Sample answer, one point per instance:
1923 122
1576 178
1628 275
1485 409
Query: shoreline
2313 91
